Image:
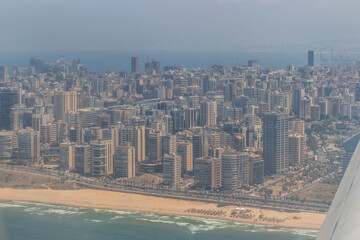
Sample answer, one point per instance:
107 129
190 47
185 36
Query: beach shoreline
108 200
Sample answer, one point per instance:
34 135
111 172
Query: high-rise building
185 151
190 118
208 113
152 67
296 150
276 143
305 108
82 159
178 119
64 102
8 98
28 145
315 112
239 142
253 63
172 169
155 65
256 169
4 75
235 170
124 161
154 147
168 144
6 145
297 126
199 146
134 65
101 155
229 170
67 156
207 172
298 94
310 58
133 134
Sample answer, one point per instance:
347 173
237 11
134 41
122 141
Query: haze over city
211 25
192 119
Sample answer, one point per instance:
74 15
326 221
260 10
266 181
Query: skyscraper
101 154
207 172
4 73
185 151
276 142
28 145
124 161
82 158
296 150
8 98
172 169
134 65
208 113
235 170
310 58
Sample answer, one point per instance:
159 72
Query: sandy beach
135 202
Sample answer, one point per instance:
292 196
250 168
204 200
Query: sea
21 220
104 61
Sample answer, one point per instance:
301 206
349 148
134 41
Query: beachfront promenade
233 198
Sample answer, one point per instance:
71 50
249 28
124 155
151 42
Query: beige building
207 172
64 102
6 145
124 161
172 169
27 145
185 151
101 155
296 150
67 156
135 135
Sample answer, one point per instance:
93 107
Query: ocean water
102 61
36 221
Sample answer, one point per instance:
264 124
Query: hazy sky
175 24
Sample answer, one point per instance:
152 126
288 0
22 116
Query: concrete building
190 118
6 145
101 155
154 147
297 145
305 112
135 65
310 58
207 172
276 143
235 170
256 169
315 112
135 135
64 102
172 169
208 113
4 74
28 145
67 156
8 98
199 146
124 161
185 151
82 159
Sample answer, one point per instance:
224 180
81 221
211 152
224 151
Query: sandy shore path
135 202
